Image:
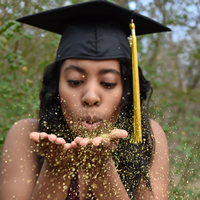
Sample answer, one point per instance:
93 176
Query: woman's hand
93 155
54 150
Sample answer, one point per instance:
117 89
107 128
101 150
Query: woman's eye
108 85
74 82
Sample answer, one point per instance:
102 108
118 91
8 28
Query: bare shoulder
18 164
19 133
25 124
159 170
161 144
158 132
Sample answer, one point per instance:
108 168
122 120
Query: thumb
34 136
118 133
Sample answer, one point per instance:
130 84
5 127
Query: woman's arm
106 184
58 168
18 167
52 183
98 169
19 170
159 171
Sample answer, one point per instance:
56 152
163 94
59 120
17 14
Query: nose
91 96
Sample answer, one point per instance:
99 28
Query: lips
91 123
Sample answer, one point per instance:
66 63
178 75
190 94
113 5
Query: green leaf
8 34
2 139
2 46
187 151
14 66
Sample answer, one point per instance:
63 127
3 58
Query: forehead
92 65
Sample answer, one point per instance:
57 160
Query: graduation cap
99 30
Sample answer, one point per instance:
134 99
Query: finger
78 139
52 137
43 135
96 141
118 133
60 141
73 144
85 142
51 148
34 136
67 146
41 145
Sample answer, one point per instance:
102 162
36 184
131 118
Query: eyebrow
103 71
79 69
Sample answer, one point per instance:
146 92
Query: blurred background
171 61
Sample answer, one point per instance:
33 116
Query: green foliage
187 159
19 69
16 93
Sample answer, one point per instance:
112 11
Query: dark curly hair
132 161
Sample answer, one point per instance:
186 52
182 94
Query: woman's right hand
56 151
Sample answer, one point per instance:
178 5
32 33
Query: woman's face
90 94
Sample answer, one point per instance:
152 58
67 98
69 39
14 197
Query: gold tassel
136 137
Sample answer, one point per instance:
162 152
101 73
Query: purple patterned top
73 193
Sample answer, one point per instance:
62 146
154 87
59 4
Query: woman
83 132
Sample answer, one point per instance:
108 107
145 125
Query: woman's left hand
94 154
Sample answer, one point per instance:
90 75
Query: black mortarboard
98 30
93 30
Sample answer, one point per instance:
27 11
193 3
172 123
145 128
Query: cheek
65 97
114 103
69 101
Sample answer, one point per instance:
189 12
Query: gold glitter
65 188
94 186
